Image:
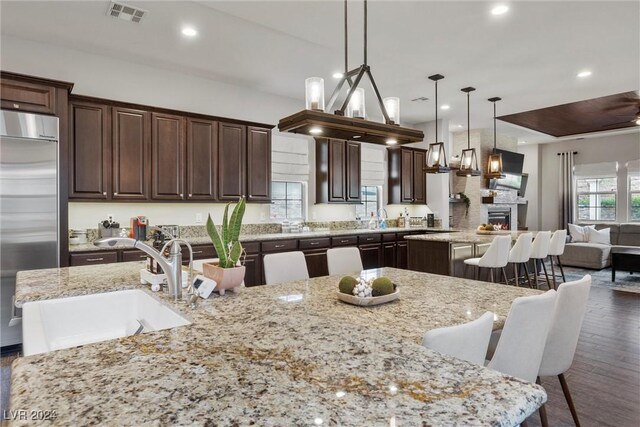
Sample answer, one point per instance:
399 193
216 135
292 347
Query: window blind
290 158
596 170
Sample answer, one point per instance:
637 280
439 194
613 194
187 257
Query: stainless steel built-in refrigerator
29 223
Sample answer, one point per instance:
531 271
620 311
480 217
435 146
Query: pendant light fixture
436 156
469 159
349 121
494 165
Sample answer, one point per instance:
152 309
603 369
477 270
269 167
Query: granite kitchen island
286 354
444 253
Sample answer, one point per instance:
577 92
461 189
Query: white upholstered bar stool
497 256
344 261
468 341
556 248
285 267
519 256
539 252
568 314
522 341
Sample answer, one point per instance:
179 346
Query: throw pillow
599 236
579 233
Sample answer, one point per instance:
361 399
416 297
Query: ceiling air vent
126 12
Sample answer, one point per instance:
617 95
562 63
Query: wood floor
605 377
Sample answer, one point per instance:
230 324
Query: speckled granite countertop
89 247
466 236
275 355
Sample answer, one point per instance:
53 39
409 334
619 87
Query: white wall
620 148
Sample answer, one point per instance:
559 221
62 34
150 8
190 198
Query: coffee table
625 258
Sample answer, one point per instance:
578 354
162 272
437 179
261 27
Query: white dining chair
522 341
344 261
568 314
468 341
539 252
520 254
556 249
497 256
285 267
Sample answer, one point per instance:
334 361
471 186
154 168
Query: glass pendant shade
314 93
392 105
468 163
436 159
494 166
356 107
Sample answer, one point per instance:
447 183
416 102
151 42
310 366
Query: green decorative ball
382 286
347 283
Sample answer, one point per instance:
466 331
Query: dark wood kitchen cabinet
131 140
167 157
202 159
258 164
315 254
89 151
407 182
389 250
338 171
253 264
232 153
30 97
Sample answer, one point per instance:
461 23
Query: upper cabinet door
353 171
27 97
419 177
202 152
167 157
131 140
406 156
232 152
89 151
337 170
258 164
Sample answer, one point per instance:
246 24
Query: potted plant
466 202
227 272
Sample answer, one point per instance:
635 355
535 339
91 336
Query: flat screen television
512 163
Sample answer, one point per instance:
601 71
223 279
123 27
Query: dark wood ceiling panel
592 115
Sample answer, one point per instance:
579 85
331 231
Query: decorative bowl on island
362 292
491 229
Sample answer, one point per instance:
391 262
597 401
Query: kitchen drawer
200 252
369 238
323 242
344 241
102 257
133 255
280 246
389 237
251 247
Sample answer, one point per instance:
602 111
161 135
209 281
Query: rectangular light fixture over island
350 120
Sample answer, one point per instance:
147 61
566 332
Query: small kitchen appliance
138 229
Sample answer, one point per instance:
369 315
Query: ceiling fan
635 119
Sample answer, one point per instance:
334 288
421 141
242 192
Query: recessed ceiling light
189 32
523 142
337 75
585 73
500 10
315 130
392 141
445 107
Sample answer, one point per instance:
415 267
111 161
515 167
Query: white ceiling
529 56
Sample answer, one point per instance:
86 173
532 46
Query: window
287 200
634 198
596 199
370 202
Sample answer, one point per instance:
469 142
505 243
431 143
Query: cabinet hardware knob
279 246
16 105
197 252
190 195
181 195
94 259
314 243
104 193
344 241
115 194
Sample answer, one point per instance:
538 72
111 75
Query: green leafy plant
226 240
466 202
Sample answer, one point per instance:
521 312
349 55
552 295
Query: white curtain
566 189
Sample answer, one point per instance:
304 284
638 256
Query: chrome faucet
171 265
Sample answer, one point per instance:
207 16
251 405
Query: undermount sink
69 322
